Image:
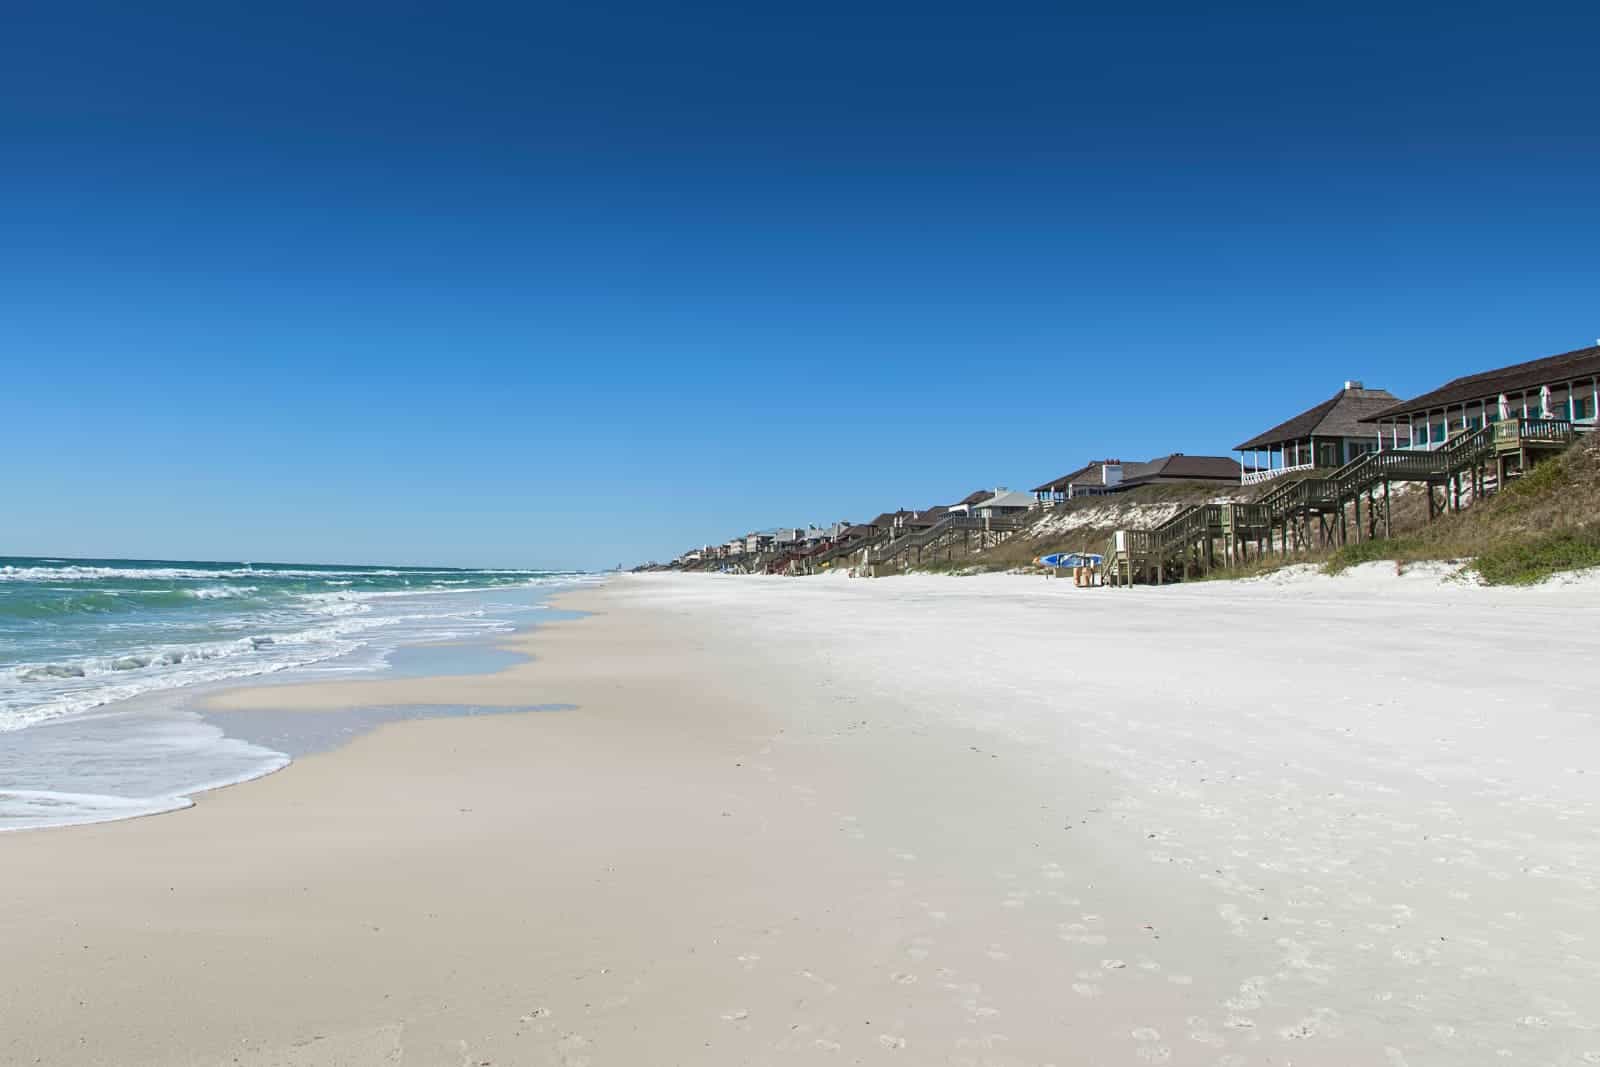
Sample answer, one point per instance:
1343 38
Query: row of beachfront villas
796 542
1354 421
759 542
1357 420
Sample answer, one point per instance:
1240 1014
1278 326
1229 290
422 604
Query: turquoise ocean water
99 659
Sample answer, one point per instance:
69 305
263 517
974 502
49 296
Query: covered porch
1429 428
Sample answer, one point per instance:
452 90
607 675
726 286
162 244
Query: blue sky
548 285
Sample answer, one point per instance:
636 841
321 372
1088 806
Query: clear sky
546 284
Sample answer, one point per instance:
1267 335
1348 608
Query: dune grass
1525 562
1543 523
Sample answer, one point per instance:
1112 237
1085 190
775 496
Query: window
1583 407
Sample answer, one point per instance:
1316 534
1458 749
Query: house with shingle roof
1178 467
1095 478
1565 386
1112 476
1328 435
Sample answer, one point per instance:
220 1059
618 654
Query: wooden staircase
1324 509
942 534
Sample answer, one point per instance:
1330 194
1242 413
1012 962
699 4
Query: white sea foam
222 592
295 631
80 572
81 746
117 766
32 693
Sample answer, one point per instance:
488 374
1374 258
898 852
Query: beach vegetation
1540 524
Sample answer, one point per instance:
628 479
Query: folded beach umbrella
1505 407
1544 403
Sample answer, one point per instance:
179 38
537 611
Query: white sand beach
926 820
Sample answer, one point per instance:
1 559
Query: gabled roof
924 518
1340 415
1178 465
1517 378
1093 473
1008 499
973 497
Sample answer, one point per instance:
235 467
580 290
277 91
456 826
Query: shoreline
158 751
889 821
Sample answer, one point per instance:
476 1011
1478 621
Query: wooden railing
921 538
1320 494
1257 477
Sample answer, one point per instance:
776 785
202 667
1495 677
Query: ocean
100 660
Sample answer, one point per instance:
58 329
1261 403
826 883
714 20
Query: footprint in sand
891 1041
736 1016
902 978
1086 989
825 1045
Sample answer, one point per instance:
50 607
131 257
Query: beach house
1113 476
1327 436
1001 502
1564 388
1095 478
1180 468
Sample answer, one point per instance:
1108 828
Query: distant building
1180 468
1094 478
1002 501
972 498
1105 476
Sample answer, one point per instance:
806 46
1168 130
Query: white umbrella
1545 411
1505 408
